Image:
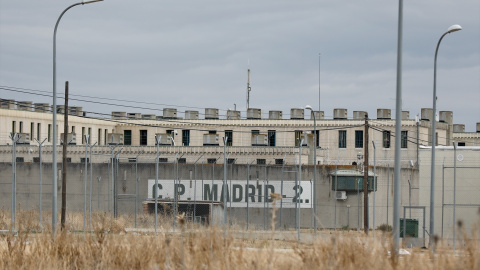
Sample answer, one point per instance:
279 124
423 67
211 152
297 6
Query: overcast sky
195 54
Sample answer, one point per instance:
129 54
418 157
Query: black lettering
236 188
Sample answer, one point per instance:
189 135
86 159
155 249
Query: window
211 160
105 138
461 143
229 135
271 137
404 139
358 138
230 161
261 161
279 161
212 132
38 131
127 137
32 127
342 139
14 128
21 127
143 137
185 137
255 131
317 140
163 160
298 137
90 134
182 160
83 135
386 139
73 129
49 132
99 138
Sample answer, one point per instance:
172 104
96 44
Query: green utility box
412 227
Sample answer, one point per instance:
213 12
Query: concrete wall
346 211
467 187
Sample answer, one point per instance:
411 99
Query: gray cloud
196 53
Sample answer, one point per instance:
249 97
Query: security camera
176 132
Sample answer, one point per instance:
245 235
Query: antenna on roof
248 89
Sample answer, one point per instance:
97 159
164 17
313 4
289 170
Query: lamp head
91 1
308 107
454 28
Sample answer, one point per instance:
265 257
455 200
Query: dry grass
110 246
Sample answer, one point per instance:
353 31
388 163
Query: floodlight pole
451 29
398 130
54 118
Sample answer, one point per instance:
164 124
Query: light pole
308 107
54 120
451 29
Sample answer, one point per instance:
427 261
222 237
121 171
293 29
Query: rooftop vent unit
253 113
165 139
384 114
275 115
73 110
60 109
134 116
191 115
210 140
427 114
297 113
24 106
458 128
340 114
446 117
234 115
149 116
7 104
259 139
23 138
405 115
115 139
41 107
211 113
359 115
341 195
119 115
71 138
169 113
318 115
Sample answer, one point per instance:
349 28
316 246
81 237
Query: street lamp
451 29
308 107
54 120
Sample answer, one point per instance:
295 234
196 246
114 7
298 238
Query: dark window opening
261 161
342 139
271 138
229 135
386 139
127 137
358 138
143 137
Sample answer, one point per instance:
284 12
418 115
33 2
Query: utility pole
365 178
64 159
